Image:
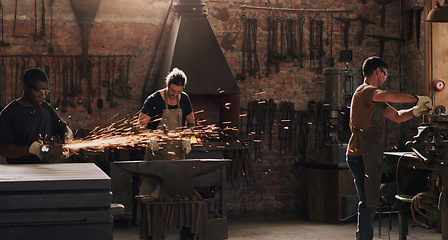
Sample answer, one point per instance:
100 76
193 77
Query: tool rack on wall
74 79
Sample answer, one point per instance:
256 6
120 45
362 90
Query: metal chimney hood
193 48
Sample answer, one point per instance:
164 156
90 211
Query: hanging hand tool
418 19
271 45
79 91
51 48
35 34
301 21
327 40
127 88
18 89
64 102
123 78
118 91
42 26
244 47
58 83
249 47
47 70
2 83
72 93
112 104
282 39
364 21
311 41
15 20
291 39
345 55
251 63
320 53
331 59
383 10
410 14
275 44
99 101
90 92
383 40
106 81
11 87
88 76
304 129
271 112
54 67
256 68
3 43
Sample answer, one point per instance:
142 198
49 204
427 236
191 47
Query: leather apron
371 140
172 149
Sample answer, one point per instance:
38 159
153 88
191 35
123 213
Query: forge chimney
193 48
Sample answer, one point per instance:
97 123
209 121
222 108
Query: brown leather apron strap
371 141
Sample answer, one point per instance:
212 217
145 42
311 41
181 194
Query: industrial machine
429 151
340 85
431 142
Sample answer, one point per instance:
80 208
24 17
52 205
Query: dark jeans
366 214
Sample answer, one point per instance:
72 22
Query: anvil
175 175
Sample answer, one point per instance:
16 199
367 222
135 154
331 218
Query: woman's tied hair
176 77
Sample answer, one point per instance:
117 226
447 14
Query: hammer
383 10
362 31
383 40
345 55
346 28
418 15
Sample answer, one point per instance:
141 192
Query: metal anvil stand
179 204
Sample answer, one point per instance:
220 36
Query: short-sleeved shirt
22 125
154 106
361 111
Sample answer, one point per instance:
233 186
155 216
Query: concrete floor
283 227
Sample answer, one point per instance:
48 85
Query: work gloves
46 153
153 145
186 146
423 105
68 136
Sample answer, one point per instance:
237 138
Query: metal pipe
62 55
244 7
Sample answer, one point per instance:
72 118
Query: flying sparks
127 132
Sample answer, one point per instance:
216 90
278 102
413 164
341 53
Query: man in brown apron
365 149
168 109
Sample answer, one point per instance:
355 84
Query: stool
403 215
380 211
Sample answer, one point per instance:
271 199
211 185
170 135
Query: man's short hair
372 63
34 74
176 77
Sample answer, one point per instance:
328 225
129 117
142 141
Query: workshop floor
273 228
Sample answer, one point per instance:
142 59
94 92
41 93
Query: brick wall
132 27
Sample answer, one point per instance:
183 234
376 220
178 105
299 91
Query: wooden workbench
54 201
